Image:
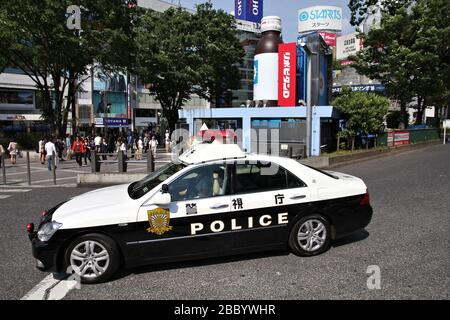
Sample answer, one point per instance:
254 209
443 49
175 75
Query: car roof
208 152
217 152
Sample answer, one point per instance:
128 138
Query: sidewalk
328 162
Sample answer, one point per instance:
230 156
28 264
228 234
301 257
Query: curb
333 162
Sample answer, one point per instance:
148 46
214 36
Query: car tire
310 236
94 258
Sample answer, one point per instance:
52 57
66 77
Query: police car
215 200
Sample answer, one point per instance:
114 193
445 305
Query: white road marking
14 190
51 180
50 289
4 196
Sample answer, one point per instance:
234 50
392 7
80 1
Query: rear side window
322 172
250 178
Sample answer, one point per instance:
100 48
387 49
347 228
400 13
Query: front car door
192 225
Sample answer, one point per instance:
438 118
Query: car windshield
139 188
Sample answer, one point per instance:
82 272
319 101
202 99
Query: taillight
365 199
30 227
44 213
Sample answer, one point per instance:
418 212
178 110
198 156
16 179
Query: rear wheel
93 257
311 235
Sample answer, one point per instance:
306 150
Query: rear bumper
354 220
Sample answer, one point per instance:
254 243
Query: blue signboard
361 88
249 10
117 122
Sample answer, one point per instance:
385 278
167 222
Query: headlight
47 230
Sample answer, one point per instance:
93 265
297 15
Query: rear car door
264 199
200 202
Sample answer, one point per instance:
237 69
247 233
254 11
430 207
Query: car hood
104 206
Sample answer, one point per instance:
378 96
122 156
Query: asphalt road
408 238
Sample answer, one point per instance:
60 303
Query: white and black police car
215 201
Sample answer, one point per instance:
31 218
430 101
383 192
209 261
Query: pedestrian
68 147
104 148
50 151
98 142
87 150
41 150
59 145
78 149
139 148
2 152
13 149
146 141
153 144
167 141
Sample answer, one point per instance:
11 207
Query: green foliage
364 112
360 9
181 54
408 51
35 38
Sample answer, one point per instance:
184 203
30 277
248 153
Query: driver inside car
210 184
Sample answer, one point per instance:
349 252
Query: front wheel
311 235
92 257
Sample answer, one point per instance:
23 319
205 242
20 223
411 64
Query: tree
360 9
181 53
220 50
35 38
408 51
364 112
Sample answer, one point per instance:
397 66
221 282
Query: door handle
298 196
219 206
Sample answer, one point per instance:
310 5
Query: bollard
93 161
290 152
28 168
3 167
120 160
54 167
150 161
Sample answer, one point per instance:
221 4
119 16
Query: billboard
287 65
249 10
17 99
348 45
320 18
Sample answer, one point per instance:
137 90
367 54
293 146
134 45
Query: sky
286 9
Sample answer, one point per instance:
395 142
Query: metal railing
122 160
53 165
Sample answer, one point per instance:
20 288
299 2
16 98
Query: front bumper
45 253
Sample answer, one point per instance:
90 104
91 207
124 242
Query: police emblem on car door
159 220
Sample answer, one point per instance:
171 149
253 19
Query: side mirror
165 188
161 199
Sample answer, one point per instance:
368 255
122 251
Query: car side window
202 182
250 178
